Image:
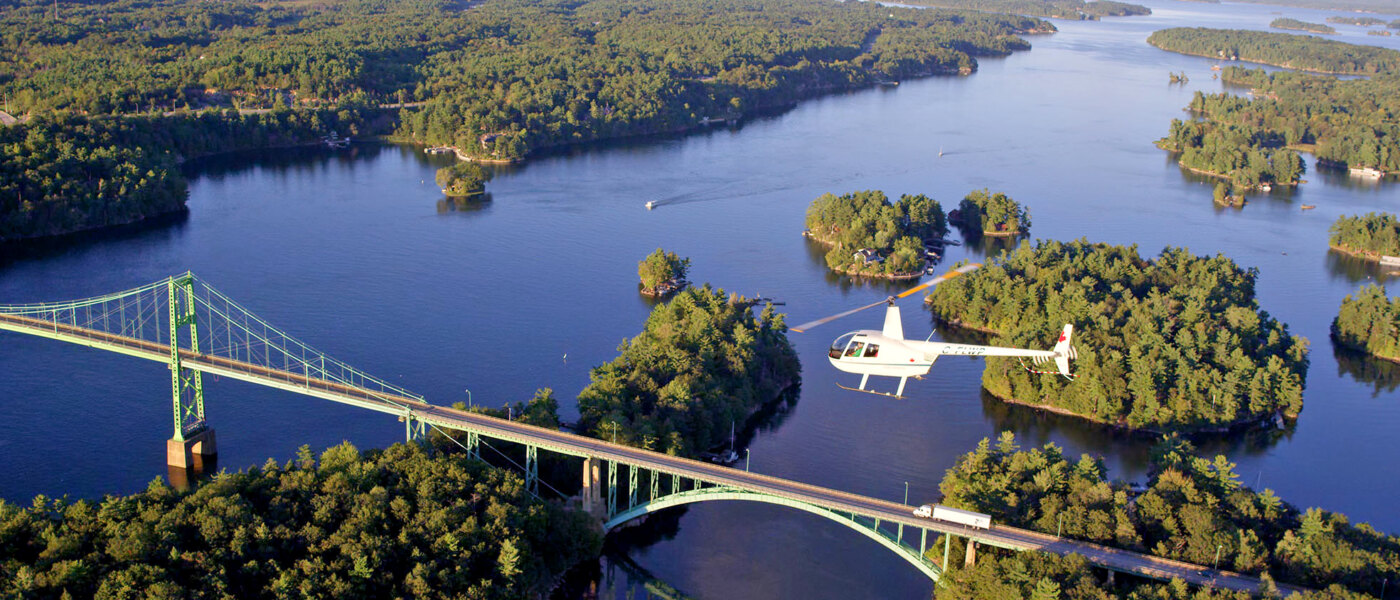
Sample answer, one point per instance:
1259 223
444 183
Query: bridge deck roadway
890 512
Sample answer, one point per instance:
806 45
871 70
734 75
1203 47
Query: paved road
566 443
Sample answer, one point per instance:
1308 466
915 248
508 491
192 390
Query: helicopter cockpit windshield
846 346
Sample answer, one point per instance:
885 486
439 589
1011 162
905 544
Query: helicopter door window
854 349
872 350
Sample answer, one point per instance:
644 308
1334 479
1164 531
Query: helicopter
885 353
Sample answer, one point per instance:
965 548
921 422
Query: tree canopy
1177 342
377 524
1370 236
994 214
1050 9
1192 508
1295 24
1369 322
662 271
462 179
701 362
867 220
1286 50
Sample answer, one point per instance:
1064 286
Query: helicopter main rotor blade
909 292
940 279
808 325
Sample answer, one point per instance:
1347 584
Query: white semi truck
953 515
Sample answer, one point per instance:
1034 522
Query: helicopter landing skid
886 394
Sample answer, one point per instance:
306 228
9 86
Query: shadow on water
158 229
468 206
282 160
615 574
1381 375
1356 270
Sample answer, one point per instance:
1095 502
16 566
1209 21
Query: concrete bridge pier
971 554
180 453
592 493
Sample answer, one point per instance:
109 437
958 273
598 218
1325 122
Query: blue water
347 251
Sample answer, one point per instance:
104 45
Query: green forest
1049 9
1192 509
1295 24
867 221
1369 322
1249 157
462 179
1345 123
66 173
1358 21
984 213
1286 50
1173 343
1369 236
396 523
702 362
662 272
497 79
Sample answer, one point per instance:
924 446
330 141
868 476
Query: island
1192 508
1369 322
1225 195
1049 9
1373 236
104 101
663 273
462 179
870 236
394 523
1248 157
1305 52
984 213
1286 23
1358 21
702 363
1176 343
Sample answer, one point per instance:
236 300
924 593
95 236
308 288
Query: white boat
651 204
1367 172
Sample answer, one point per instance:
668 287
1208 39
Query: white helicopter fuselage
887 354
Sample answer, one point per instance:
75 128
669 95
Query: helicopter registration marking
964 350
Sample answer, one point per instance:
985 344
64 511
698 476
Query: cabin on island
1367 172
867 255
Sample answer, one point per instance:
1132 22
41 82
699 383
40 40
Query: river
534 286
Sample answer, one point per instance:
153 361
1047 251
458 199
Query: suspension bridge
195 329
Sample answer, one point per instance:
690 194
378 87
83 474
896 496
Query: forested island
1049 9
1295 24
1253 141
1192 509
1173 343
869 235
63 173
1369 322
662 273
1358 21
1368 236
702 362
395 523
462 179
1285 50
497 80
1249 157
984 213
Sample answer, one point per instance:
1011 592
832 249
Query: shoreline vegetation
1369 322
1157 353
1296 25
663 273
1286 50
1192 508
404 521
1073 10
1371 237
993 215
497 80
870 236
